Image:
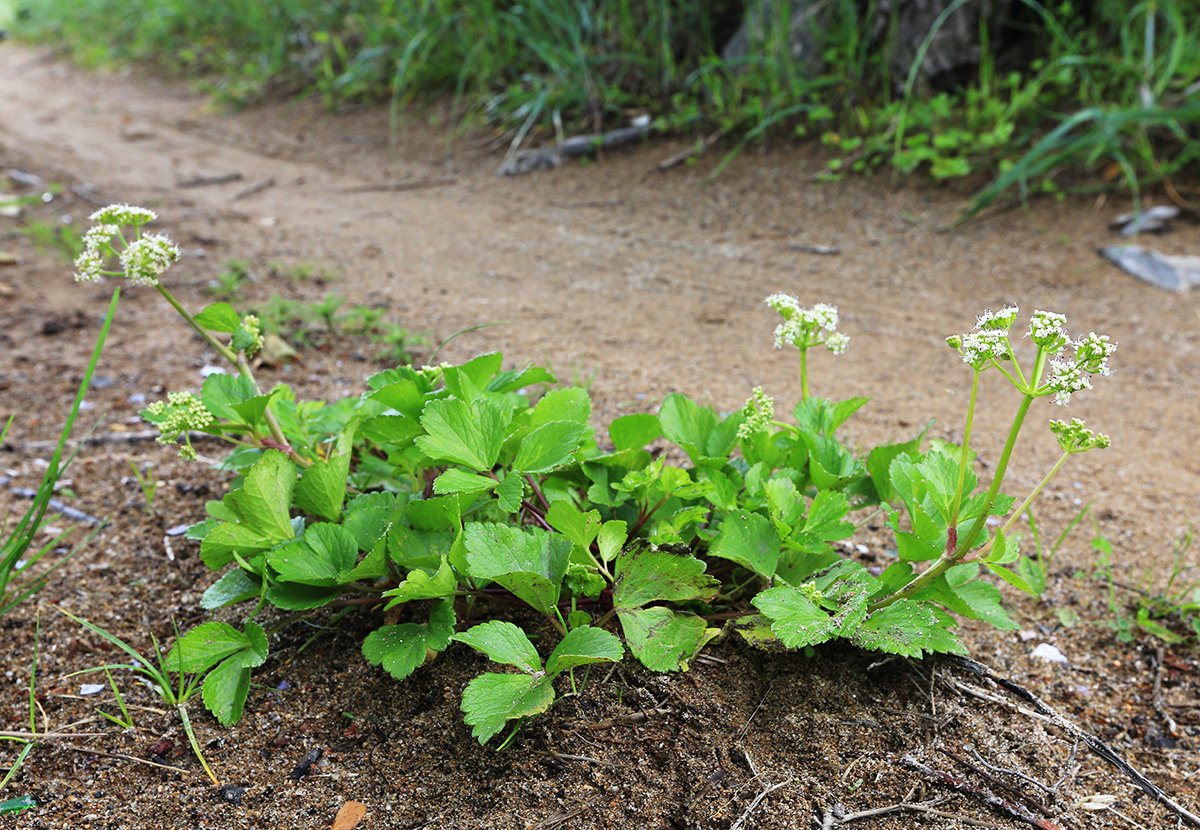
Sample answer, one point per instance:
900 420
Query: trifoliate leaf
647 574
581 528
204 646
749 539
664 639
219 545
399 430
530 563
491 700
321 557
421 584
467 434
795 618
322 487
584 645
631 432
831 465
820 416
265 497
697 429
221 392
438 513
504 643
367 517
400 649
785 504
455 480
476 373
908 628
411 548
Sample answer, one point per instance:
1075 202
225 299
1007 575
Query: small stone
231 794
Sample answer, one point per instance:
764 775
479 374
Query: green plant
1034 569
148 483
17 556
216 653
1178 602
62 237
230 282
448 492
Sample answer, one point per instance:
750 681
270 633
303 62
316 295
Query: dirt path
652 282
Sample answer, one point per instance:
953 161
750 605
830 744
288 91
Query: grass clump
1108 89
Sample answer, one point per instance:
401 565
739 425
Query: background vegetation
1072 94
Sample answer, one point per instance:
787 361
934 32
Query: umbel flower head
142 260
807 327
1075 437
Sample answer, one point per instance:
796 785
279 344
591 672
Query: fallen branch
251 189
1095 744
695 151
207 181
547 158
958 785
757 799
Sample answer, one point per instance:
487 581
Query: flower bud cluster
807 327
181 413
1075 437
987 343
760 413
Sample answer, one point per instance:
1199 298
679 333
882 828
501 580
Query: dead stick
85 750
1095 744
696 150
250 190
206 181
757 799
958 785
1157 696
982 773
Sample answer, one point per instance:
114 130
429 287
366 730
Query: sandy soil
646 283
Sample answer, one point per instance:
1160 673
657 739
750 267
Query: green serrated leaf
531 563
509 493
550 445
664 639
907 628
455 480
795 618
785 504
634 431
219 317
321 557
225 690
584 645
504 643
322 487
749 539
984 602
492 700
468 434
401 649
367 517
581 528
261 506
648 574
221 392
294 596
411 548
204 646
421 584
571 404
235 586
611 539
438 513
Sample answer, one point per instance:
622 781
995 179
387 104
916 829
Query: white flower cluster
253 329
142 260
807 327
988 341
1048 330
145 258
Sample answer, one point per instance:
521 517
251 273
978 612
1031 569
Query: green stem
187 727
803 374
954 556
220 347
966 446
1020 511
